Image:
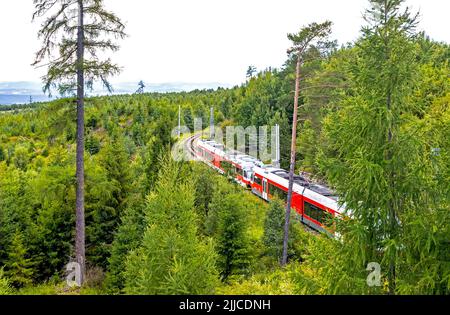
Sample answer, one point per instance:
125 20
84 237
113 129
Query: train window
227 167
317 214
258 181
278 192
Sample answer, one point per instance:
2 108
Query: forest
374 123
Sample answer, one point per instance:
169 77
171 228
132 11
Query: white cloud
202 40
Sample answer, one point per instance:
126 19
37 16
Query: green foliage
103 25
227 223
333 266
204 191
2 155
307 144
57 288
37 185
20 158
273 229
251 71
17 265
128 238
107 199
274 283
51 237
314 33
92 145
378 158
274 234
172 259
5 286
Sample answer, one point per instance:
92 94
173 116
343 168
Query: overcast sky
202 41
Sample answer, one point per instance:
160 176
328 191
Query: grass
58 289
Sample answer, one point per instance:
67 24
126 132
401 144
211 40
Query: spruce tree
127 238
226 222
273 229
371 152
18 265
105 210
78 30
251 71
172 259
141 87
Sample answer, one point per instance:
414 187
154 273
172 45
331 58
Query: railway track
186 147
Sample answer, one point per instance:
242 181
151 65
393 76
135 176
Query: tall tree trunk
292 167
80 224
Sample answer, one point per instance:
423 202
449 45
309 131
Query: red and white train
315 204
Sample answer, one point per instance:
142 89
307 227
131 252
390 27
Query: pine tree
116 162
251 71
141 87
226 223
188 119
313 34
273 234
106 208
77 29
92 145
204 191
273 230
172 258
372 153
18 266
307 145
128 238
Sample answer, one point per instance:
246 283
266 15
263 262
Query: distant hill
20 92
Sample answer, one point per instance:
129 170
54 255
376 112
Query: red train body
315 204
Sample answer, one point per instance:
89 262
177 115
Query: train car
210 153
315 204
231 163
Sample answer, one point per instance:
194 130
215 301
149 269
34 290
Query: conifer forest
90 179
